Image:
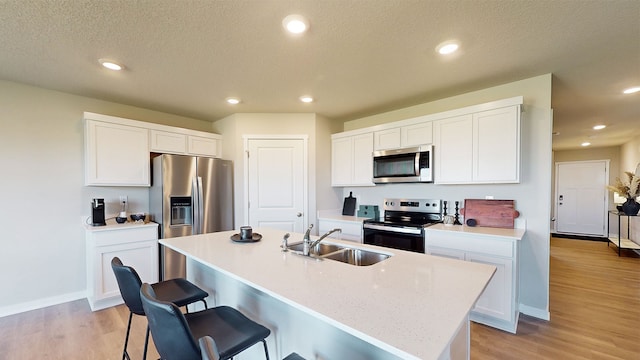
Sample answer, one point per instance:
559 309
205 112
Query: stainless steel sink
347 255
318 250
357 257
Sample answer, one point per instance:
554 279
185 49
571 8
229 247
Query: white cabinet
185 144
483 147
136 245
203 146
497 145
498 304
386 139
116 154
351 227
167 142
404 136
117 149
351 161
453 157
416 134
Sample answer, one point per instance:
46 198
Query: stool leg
205 304
125 355
266 352
146 344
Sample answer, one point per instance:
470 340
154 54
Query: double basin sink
342 253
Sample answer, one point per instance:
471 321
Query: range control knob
434 205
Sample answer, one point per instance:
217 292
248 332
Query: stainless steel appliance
403 224
189 195
403 165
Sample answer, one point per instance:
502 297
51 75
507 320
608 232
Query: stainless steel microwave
403 165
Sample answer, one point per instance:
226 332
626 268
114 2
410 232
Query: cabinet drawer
126 235
472 243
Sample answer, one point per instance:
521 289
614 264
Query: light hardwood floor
594 303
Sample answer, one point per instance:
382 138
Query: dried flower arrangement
630 189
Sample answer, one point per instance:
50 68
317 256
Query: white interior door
581 197
277 183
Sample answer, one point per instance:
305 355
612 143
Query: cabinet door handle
299 214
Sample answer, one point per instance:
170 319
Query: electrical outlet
124 199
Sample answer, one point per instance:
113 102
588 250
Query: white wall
532 195
317 128
43 194
629 156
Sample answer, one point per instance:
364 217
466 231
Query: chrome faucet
308 244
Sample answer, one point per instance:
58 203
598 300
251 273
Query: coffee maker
97 212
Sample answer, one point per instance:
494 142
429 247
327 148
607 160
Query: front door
581 197
277 183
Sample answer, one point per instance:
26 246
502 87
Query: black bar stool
178 291
177 335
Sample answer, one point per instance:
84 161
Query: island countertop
411 304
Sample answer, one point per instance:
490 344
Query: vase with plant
630 190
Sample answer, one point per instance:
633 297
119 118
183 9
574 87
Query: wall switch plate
488 197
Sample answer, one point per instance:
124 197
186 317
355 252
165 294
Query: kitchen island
409 306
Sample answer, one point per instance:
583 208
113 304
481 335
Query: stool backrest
169 328
129 283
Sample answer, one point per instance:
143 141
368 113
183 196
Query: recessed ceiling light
599 127
110 64
295 24
306 99
586 143
447 47
233 101
632 90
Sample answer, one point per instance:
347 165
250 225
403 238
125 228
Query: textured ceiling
359 57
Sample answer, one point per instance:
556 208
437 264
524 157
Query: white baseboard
41 303
535 312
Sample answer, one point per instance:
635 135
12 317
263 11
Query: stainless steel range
404 223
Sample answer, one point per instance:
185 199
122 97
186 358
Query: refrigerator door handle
195 204
200 206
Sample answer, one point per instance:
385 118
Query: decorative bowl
136 217
121 220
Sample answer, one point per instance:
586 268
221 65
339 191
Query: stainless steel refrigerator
189 195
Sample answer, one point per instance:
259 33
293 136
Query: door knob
299 214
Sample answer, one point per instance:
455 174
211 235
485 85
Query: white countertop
113 225
410 304
516 234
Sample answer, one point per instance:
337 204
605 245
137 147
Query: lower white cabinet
135 244
498 305
351 227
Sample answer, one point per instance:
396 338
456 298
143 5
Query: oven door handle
402 230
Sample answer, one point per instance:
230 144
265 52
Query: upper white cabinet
203 146
351 161
416 134
482 147
453 156
404 136
183 143
497 145
116 154
117 149
387 139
